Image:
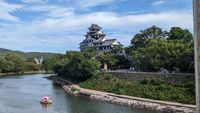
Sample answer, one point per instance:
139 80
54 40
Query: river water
21 94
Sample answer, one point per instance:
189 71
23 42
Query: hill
28 54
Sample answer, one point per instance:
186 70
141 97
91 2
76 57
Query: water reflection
45 105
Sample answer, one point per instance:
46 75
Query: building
38 61
95 38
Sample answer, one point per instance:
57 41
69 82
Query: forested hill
28 54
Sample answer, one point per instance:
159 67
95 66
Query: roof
95 26
101 39
101 33
108 42
98 38
81 43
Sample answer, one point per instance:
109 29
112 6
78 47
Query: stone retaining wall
139 76
143 104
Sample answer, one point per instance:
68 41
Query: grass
152 89
75 90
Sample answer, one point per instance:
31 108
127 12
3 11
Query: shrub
147 88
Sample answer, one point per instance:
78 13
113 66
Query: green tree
122 62
164 53
91 53
139 39
78 66
47 64
108 60
16 62
53 63
177 33
5 66
31 65
154 48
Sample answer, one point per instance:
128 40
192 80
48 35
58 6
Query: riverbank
142 103
27 72
155 89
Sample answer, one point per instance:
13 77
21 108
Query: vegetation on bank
73 65
19 62
150 50
151 89
14 63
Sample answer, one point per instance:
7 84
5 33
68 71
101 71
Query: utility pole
196 7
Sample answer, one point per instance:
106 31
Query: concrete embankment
160 106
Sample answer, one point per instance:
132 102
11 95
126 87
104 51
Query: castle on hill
96 38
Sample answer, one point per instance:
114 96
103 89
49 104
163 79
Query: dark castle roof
95 26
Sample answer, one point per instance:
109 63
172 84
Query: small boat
46 100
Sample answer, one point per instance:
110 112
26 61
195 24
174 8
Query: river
22 93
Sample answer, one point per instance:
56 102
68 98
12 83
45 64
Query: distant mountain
4 51
28 54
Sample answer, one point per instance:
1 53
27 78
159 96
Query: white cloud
67 31
6 9
40 8
114 21
50 10
58 28
84 4
62 12
35 1
90 3
159 2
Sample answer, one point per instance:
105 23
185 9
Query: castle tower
95 32
95 38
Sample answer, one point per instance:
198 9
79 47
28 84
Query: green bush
152 89
11 63
78 67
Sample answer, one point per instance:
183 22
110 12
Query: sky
60 25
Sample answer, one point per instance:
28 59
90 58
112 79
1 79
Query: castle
97 39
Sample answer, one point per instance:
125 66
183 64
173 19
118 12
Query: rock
135 103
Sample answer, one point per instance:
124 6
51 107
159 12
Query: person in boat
46 100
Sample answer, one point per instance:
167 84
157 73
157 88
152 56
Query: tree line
150 50
154 48
13 62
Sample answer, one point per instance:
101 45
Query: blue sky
60 25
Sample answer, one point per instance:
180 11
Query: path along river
22 93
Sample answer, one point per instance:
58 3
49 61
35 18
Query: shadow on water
46 106
56 85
